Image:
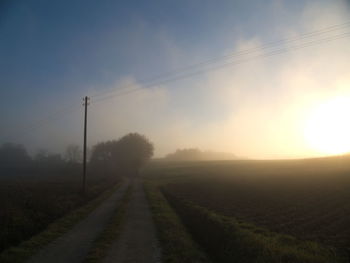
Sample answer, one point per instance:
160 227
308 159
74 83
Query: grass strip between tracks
103 243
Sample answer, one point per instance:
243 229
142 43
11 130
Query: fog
256 109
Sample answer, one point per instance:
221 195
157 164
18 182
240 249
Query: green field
259 211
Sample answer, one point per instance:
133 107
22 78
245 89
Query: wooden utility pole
85 104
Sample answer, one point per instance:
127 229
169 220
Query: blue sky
54 52
82 41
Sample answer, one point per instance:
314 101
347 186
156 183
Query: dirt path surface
74 245
137 242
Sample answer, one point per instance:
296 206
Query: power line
204 66
160 77
232 63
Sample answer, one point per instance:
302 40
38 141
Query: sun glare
327 128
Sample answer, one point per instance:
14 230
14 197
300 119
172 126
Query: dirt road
137 242
73 246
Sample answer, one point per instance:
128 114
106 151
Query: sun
327 128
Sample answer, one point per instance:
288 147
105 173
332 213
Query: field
294 211
29 203
262 211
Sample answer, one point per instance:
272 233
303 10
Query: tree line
126 155
194 154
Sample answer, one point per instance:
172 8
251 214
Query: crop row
318 211
227 240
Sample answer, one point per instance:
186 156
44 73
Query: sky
259 105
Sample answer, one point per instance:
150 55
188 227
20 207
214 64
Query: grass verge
102 244
29 247
227 240
176 244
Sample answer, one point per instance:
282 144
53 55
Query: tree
102 153
193 154
132 152
127 155
73 153
41 155
46 160
13 156
185 155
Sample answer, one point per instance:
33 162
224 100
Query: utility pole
85 104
